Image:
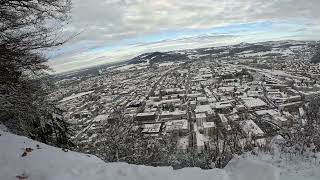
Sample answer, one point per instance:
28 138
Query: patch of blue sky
232 29
251 32
184 33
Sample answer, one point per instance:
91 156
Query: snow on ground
99 118
291 167
275 73
50 163
140 65
166 64
44 162
75 96
251 169
125 67
169 64
250 53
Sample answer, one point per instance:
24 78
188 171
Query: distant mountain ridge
222 51
182 55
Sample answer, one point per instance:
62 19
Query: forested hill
158 57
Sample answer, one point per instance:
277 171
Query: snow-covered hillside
23 158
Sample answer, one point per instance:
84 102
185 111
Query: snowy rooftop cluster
254 102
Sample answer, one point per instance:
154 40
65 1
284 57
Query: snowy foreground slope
43 162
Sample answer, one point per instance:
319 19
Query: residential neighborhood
203 102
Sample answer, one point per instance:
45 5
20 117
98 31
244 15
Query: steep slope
23 158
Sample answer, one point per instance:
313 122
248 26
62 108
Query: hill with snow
23 158
158 57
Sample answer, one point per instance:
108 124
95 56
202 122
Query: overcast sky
115 30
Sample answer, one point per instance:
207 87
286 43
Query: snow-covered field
75 96
166 64
250 53
23 158
133 66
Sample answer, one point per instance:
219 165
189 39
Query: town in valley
243 96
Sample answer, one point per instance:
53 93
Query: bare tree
305 137
116 142
27 29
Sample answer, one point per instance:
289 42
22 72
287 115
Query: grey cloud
118 19
104 22
80 60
